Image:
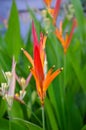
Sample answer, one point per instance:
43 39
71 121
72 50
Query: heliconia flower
53 11
65 41
42 79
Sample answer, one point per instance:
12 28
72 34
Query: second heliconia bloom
65 41
39 62
53 11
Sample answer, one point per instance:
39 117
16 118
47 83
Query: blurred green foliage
65 104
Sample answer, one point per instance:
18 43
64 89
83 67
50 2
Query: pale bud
22 94
44 13
23 83
9 77
8 74
4 88
9 100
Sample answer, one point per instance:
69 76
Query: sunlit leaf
13 38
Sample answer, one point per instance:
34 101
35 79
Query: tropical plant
65 101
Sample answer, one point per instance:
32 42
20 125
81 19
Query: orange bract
48 2
65 41
38 67
28 56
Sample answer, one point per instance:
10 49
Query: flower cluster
7 89
42 76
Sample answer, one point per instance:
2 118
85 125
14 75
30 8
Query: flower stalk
43 117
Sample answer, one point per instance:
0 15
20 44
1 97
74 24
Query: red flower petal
56 9
38 64
35 38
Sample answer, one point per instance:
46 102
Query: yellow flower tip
29 67
17 95
22 49
53 66
61 69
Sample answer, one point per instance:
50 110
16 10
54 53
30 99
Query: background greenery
65 103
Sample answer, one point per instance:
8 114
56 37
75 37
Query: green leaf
50 113
27 124
78 71
80 18
13 38
54 103
84 127
16 110
3 54
4 125
2 107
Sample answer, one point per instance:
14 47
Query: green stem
62 96
64 71
43 117
64 85
9 115
9 124
33 114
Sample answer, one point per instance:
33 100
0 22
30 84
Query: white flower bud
22 94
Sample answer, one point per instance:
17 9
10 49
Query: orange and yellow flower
38 68
65 41
53 11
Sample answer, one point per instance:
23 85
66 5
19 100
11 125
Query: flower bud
22 94
23 83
